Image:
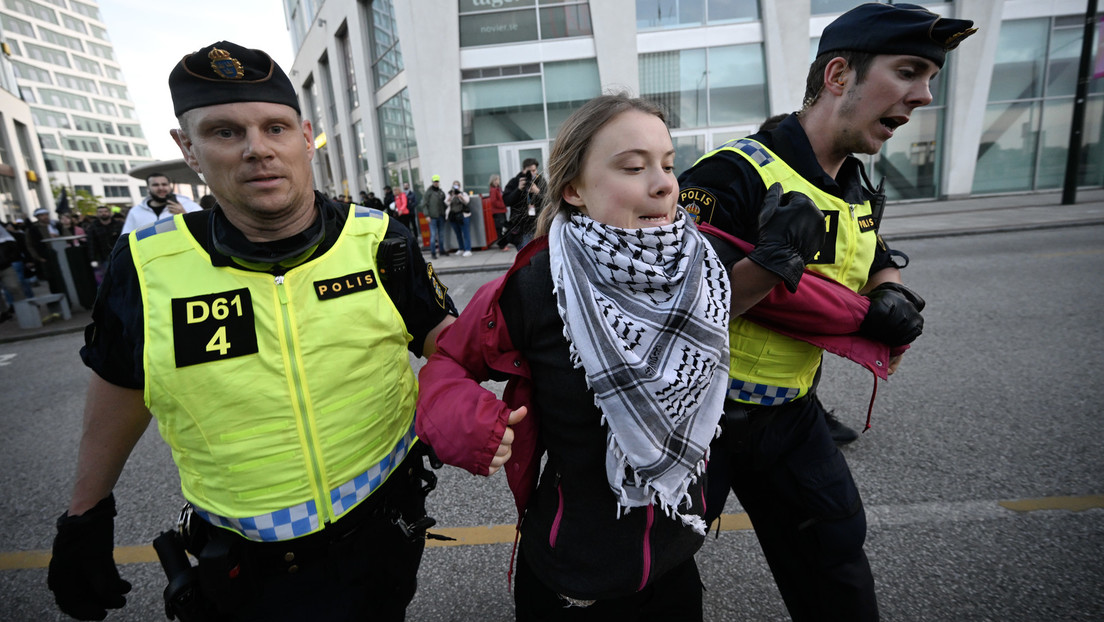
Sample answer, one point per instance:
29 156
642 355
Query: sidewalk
902 221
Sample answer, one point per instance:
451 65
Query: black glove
83 576
791 232
894 315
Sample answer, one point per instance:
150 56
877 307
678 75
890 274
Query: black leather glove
894 315
83 576
791 232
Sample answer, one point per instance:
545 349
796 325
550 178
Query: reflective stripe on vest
767 367
273 392
303 519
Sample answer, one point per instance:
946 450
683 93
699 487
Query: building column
614 23
968 94
786 47
429 37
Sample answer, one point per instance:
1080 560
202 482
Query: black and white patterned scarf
646 314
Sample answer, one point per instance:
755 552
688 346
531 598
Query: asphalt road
993 419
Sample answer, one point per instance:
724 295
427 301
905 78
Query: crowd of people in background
27 259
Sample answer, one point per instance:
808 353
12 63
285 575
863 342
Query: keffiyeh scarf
646 314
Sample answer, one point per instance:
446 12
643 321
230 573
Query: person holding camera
458 215
523 197
161 202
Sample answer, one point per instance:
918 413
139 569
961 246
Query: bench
28 312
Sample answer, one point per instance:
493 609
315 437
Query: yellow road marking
504 534
1073 504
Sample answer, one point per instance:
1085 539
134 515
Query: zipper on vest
321 496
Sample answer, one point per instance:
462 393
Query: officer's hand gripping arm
791 232
894 315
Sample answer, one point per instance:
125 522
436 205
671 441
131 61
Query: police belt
286 556
741 420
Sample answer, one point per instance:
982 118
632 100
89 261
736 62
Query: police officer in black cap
269 338
872 70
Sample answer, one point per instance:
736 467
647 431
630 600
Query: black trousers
798 491
677 595
364 571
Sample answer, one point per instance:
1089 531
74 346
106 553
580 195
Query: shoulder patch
698 202
439 289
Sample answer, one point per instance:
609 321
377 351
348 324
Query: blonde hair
565 164
493 179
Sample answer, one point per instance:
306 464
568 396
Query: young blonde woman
611 329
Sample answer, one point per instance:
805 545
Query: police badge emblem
224 65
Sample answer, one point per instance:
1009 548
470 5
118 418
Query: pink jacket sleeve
460 419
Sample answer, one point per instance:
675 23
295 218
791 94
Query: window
24 138
23 71
18 26
108 166
327 87
397 129
105 108
117 147
1025 140
75 165
50 118
141 150
99 33
34 9
347 70
127 112
117 192
73 23
95 126
386 57
86 10
87 65
74 82
83 143
130 129
61 99
114 90
361 146
660 14
47 55
497 23
47 141
59 39
707 87
102 51
113 73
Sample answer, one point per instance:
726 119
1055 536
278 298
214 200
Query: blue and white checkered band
761 156
302 519
762 394
360 211
161 226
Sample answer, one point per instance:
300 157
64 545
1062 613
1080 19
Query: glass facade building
84 118
469 88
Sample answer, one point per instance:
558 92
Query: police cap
895 29
226 73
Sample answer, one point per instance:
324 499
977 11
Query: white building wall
429 35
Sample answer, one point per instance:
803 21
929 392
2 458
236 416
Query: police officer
872 70
268 337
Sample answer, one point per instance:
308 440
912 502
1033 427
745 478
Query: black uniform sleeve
418 294
725 192
113 341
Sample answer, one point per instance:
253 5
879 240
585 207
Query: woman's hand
504 450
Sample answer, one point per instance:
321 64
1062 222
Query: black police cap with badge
895 29
226 73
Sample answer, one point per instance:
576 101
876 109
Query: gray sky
150 37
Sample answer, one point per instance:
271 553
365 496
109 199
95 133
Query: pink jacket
464 422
